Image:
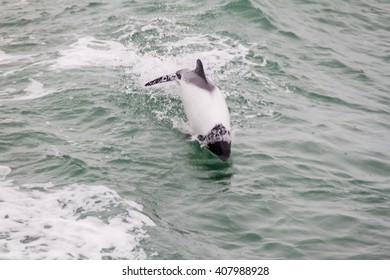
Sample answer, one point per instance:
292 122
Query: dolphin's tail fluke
162 79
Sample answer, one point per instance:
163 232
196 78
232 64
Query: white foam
34 90
42 221
89 51
5 57
4 171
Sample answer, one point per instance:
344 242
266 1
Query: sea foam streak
41 221
34 90
89 51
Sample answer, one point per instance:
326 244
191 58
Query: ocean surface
93 165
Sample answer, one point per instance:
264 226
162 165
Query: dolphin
205 109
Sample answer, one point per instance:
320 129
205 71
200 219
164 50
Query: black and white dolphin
205 108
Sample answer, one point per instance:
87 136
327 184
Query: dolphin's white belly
204 109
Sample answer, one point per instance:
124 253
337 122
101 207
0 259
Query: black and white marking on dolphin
162 79
218 141
205 108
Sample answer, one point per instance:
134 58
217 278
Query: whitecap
43 221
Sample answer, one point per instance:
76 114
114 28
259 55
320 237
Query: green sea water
93 165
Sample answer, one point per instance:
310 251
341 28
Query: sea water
93 165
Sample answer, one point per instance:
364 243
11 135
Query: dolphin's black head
220 149
218 141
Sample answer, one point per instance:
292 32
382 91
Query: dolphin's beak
162 79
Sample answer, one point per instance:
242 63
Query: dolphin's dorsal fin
199 69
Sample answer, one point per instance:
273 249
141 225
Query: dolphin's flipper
162 79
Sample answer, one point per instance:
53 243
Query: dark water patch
369 166
376 166
250 237
12 124
369 197
210 15
95 116
71 106
282 250
304 146
312 246
28 239
74 9
71 8
246 10
79 9
256 57
379 211
318 51
129 3
348 244
125 161
58 166
30 139
153 8
328 221
382 254
331 99
274 68
46 167
289 34
331 22
113 18
20 22
340 66
96 4
325 192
